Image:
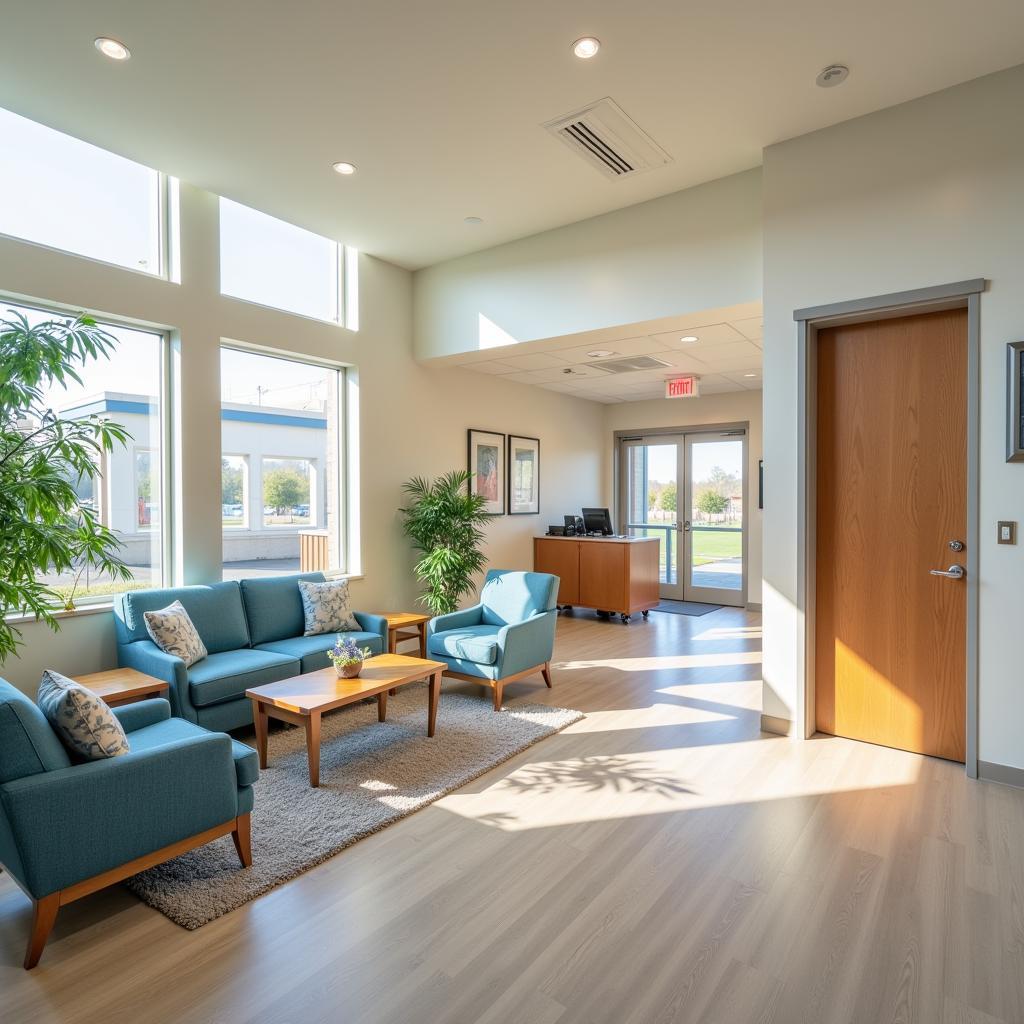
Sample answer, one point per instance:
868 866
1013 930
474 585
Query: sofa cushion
273 606
312 650
28 745
512 596
173 632
216 611
149 737
327 608
229 674
83 721
472 643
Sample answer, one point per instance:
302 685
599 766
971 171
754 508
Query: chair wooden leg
497 694
546 672
242 836
44 913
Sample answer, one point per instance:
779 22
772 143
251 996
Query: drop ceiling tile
752 330
535 376
622 347
715 384
728 358
709 336
532 361
750 383
566 389
683 361
491 366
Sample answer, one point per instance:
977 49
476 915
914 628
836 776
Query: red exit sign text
682 387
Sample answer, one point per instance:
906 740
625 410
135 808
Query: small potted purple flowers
347 657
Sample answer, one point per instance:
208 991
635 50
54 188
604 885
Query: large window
127 486
59 191
266 260
281 469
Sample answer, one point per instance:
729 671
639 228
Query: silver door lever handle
954 572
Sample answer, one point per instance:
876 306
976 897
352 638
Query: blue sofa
253 635
68 829
508 635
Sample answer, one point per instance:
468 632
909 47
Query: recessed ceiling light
600 353
112 48
750 375
586 47
344 167
473 220
689 339
834 74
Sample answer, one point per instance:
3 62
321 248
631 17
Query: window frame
165 431
341 494
246 523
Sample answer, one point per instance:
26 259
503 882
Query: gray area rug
371 774
685 608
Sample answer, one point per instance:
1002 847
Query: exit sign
682 387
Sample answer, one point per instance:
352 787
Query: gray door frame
957 295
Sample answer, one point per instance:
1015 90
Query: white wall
921 194
411 420
692 250
734 407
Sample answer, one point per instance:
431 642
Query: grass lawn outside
713 543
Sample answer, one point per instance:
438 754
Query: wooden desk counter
609 574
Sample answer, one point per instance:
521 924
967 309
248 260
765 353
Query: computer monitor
598 520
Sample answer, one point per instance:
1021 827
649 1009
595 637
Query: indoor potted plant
348 657
444 519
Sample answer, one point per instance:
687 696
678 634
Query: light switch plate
1007 532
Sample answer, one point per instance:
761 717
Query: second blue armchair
510 634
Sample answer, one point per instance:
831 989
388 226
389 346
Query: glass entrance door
652 474
713 542
688 491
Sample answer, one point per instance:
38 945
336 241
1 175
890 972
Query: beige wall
735 407
918 195
692 250
411 420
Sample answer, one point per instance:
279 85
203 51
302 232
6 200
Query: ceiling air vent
629 364
609 140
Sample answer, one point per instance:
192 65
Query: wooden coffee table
302 700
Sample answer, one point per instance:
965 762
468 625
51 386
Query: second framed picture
486 461
523 475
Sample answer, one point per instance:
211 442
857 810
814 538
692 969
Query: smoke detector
834 74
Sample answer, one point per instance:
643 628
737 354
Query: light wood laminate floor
659 861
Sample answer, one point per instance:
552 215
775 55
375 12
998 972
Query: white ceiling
727 356
440 104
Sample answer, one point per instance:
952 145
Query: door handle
954 572
685 526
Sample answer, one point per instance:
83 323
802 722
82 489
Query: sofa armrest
77 822
145 656
374 624
142 713
456 620
523 645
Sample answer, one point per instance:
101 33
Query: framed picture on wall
486 461
1014 406
523 475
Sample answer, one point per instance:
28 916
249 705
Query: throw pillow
172 631
326 607
83 721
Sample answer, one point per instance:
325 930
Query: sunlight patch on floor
665 662
731 633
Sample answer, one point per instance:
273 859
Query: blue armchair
68 829
510 634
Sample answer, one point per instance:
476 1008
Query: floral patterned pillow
83 721
172 631
326 607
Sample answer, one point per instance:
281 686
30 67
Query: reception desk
610 574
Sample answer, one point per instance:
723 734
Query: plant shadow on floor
620 774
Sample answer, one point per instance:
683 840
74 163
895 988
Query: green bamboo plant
44 527
445 522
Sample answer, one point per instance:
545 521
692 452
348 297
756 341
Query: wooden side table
120 686
404 626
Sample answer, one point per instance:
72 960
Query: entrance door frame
618 491
957 295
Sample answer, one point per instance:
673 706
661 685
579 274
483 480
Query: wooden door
890 638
